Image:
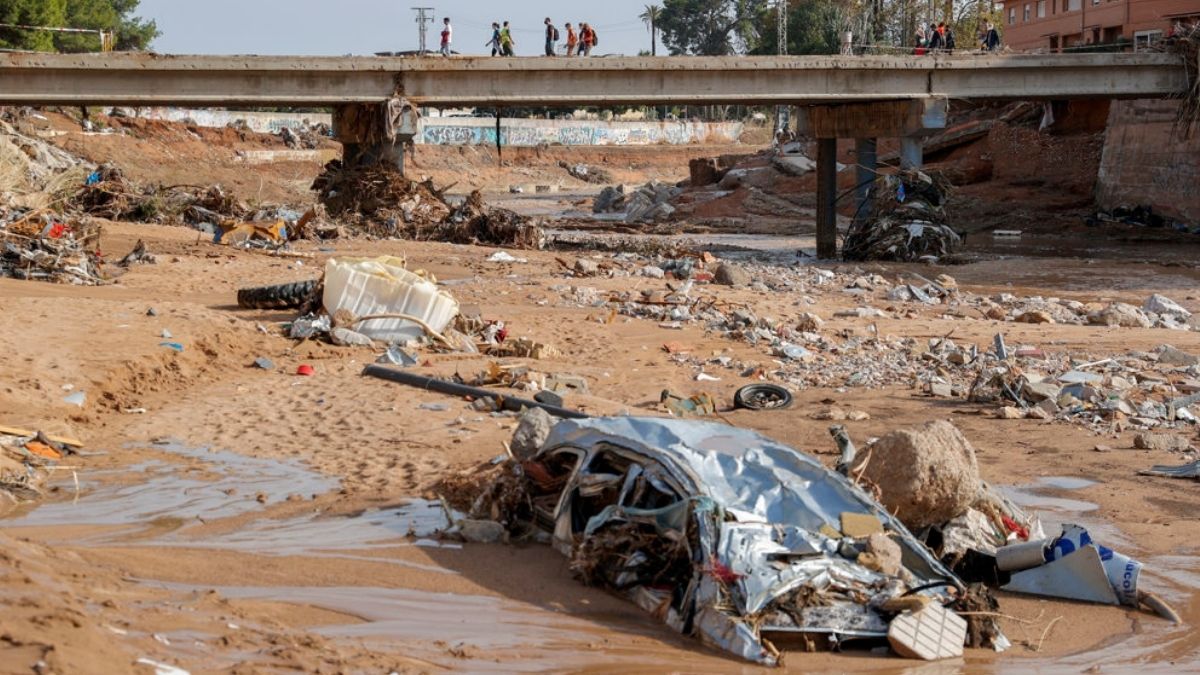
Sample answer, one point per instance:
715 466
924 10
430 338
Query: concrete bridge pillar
912 152
826 198
907 120
866 164
375 133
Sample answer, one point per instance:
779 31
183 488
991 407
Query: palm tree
650 18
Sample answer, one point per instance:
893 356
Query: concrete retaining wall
530 133
482 131
1144 162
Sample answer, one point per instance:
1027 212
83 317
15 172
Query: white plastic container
370 286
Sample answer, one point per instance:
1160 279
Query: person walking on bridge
551 37
572 40
446 33
507 43
495 41
587 39
991 39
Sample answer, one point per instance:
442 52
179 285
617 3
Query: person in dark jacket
991 39
949 39
935 38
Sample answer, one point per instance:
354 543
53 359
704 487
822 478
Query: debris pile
382 202
907 220
585 173
648 203
27 458
40 246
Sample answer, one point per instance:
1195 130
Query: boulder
728 274
1170 356
1161 304
532 430
1167 442
927 475
809 323
587 268
1120 314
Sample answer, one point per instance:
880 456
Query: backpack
595 39
555 33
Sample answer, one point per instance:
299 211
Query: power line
424 16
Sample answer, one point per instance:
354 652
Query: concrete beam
150 79
881 119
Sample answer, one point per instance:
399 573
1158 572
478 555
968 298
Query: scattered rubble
646 204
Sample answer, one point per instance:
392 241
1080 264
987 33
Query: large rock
1120 314
1170 356
1161 304
927 476
728 274
610 200
532 430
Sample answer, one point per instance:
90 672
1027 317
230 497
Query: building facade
1071 25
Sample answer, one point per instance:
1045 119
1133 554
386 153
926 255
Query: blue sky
321 27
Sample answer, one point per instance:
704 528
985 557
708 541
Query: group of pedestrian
940 38
579 42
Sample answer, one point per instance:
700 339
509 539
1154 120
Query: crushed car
723 533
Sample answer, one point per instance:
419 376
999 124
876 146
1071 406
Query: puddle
1065 482
214 484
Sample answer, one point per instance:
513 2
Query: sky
322 27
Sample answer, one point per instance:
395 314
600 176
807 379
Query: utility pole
782 113
424 17
781 25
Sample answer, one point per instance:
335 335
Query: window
1074 5
1012 15
1095 2
1041 9
1144 38
1027 14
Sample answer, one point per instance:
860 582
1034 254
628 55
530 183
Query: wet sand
254 521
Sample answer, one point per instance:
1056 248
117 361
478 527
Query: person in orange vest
587 39
572 40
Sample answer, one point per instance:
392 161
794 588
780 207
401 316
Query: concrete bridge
375 99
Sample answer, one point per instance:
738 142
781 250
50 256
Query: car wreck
725 534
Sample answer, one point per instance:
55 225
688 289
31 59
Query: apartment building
1068 25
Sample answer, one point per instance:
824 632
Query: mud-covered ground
253 521
233 519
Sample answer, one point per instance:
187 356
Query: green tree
814 27
650 17
30 13
116 16
711 27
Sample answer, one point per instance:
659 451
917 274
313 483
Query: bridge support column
375 133
866 159
912 152
827 198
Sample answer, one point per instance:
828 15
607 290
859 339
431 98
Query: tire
762 397
280 296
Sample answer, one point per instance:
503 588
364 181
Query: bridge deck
150 79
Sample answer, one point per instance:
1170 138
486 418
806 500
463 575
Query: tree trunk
653 38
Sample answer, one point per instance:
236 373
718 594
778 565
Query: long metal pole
462 390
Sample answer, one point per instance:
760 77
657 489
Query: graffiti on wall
532 133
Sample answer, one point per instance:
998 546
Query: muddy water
487 633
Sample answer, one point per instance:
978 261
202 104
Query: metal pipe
456 389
